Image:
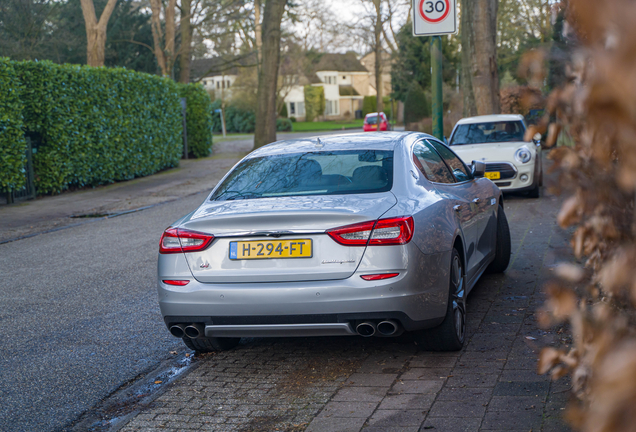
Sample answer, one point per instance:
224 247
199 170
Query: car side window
431 164
458 167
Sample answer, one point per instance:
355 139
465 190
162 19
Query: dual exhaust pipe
192 331
384 328
364 329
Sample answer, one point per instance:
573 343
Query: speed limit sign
434 17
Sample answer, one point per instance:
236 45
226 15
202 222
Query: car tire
535 192
450 334
502 244
211 344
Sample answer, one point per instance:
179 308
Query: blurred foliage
369 105
199 120
283 125
237 118
314 102
416 104
55 30
594 111
97 125
12 143
412 64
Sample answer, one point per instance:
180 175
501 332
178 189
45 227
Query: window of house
301 108
228 83
292 108
331 107
218 84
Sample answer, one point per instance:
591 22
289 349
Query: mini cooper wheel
450 334
211 344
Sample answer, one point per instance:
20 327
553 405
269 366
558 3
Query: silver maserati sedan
367 234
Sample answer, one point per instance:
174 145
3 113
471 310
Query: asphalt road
80 316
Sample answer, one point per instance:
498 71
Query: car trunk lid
289 222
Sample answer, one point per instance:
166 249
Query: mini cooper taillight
175 240
385 232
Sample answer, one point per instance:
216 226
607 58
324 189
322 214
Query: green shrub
283 125
12 143
98 125
368 105
283 111
198 119
314 102
416 105
237 119
292 119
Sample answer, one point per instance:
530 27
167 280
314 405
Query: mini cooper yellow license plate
297 248
493 175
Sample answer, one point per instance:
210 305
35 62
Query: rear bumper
416 299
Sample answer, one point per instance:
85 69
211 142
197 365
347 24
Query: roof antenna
318 139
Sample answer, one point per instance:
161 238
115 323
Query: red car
371 122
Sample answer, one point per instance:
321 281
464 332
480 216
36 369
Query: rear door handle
476 200
457 208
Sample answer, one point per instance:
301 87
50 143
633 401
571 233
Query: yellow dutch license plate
494 175
297 248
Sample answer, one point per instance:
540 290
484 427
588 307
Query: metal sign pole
436 87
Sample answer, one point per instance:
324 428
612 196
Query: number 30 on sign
434 17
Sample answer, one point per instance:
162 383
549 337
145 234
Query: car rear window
488 132
372 120
310 173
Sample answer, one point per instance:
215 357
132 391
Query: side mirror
536 139
445 140
478 169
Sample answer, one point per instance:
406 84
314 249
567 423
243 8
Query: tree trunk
468 53
257 27
96 31
165 56
265 128
378 58
186 41
485 78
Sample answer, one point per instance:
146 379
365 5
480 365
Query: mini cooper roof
491 118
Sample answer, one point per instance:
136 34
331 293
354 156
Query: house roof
339 62
216 66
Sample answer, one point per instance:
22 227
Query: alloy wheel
458 296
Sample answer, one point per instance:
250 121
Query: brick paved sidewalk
352 384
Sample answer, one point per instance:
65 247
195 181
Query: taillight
175 240
373 277
175 282
393 231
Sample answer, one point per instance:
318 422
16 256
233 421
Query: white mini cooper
498 140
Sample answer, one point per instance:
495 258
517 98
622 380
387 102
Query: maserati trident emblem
206 265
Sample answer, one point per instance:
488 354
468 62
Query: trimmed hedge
98 125
198 119
12 143
283 125
236 119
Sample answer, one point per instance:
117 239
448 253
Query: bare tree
378 54
265 128
164 47
479 53
96 31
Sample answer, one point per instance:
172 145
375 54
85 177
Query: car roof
374 114
491 118
356 141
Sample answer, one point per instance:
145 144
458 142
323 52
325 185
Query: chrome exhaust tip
387 328
177 330
194 331
366 329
